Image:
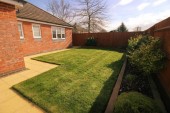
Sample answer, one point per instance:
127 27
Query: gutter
40 22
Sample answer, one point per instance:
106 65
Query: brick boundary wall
11 56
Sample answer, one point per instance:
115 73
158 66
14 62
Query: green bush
134 102
145 54
91 42
133 44
130 81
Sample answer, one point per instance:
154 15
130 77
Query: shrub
91 42
136 82
134 102
130 81
145 53
134 44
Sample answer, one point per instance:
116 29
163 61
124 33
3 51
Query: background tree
113 31
122 28
78 28
61 9
92 13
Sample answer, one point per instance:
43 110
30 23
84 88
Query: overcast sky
134 13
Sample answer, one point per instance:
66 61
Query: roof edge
13 2
41 22
49 13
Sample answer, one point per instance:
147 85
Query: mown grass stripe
81 84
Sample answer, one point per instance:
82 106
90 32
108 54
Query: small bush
136 82
145 53
130 81
91 42
134 44
134 102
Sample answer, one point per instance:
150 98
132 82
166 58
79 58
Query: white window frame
21 37
37 37
53 27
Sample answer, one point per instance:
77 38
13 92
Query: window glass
54 34
20 31
63 33
36 31
59 33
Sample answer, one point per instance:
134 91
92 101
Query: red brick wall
46 43
11 56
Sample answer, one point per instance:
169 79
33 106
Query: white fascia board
39 22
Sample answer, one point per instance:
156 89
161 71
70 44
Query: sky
133 13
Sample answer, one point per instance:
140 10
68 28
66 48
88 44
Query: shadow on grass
101 101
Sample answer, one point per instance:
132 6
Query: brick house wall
31 45
11 56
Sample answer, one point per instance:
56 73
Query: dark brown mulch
141 83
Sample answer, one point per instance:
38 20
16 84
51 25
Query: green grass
81 84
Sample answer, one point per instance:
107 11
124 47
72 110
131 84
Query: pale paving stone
13 79
6 95
29 109
12 105
10 101
3 86
32 74
29 74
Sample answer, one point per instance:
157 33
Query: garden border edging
114 95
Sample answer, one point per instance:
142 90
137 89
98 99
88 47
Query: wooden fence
118 39
162 30
112 39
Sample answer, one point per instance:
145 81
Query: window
63 32
20 29
54 32
36 31
58 33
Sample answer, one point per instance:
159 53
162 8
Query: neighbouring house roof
32 12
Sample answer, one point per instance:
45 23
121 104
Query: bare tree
91 12
95 27
61 9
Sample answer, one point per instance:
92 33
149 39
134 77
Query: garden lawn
81 84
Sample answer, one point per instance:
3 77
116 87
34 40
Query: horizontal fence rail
111 39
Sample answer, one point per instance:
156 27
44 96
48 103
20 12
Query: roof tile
29 11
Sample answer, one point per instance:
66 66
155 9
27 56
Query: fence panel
112 39
162 30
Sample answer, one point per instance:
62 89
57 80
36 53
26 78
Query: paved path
10 101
